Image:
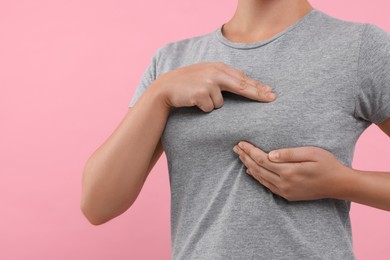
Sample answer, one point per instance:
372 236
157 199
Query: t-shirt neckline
246 45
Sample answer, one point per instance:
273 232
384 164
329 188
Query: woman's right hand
201 84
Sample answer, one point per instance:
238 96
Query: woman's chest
296 118
314 106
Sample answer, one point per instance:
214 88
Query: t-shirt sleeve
373 94
149 75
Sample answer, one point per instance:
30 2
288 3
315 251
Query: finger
240 75
257 170
265 183
260 157
205 103
250 88
238 82
216 97
296 154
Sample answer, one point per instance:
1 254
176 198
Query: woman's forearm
370 188
115 173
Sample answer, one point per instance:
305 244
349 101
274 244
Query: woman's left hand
300 173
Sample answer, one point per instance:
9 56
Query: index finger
261 158
243 85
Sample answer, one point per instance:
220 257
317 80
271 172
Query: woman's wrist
370 188
157 92
346 185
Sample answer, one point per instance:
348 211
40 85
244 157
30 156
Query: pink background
68 70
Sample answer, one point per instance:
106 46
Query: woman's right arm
115 173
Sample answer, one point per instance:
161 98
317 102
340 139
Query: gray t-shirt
332 80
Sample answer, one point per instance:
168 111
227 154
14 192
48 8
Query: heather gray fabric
332 78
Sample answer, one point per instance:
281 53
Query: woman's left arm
309 172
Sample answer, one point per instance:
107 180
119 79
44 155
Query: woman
279 76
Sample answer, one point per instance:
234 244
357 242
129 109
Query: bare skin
115 173
309 173
300 173
256 20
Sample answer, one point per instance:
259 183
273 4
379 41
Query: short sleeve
373 95
147 78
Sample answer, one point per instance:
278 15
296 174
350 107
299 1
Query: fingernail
274 155
235 149
241 145
271 95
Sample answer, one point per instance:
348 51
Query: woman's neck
256 20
